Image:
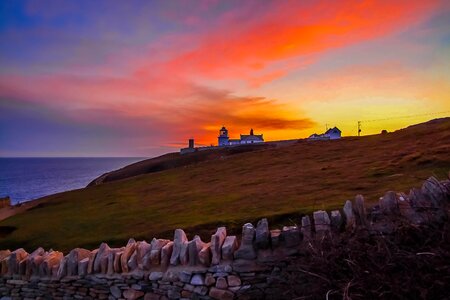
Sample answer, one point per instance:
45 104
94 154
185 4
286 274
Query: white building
330 134
251 138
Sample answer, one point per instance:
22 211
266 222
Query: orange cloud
292 30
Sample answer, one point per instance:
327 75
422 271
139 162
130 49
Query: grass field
276 182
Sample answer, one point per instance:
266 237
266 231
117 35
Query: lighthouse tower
223 137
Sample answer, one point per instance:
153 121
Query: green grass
279 183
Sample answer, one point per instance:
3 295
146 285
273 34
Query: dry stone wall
222 268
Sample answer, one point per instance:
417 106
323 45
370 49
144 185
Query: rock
275 237
246 250
50 265
388 204
321 222
132 294
14 260
221 283
201 290
92 257
132 262
290 235
62 269
306 227
154 257
360 211
126 255
217 241
166 253
101 259
336 220
4 255
194 248
76 255
219 294
349 216
33 261
185 276
262 240
83 266
209 280
117 265
204 256
229 246
186 294
178 241
184 253
233 280
155 276
152 296
115 291
198 279
142 249
171 276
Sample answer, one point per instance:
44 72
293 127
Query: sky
139 78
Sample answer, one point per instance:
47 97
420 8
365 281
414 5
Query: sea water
25 179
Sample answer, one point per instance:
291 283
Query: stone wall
222 268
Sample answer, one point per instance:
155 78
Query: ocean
25 179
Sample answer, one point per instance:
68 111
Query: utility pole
359 128
326 126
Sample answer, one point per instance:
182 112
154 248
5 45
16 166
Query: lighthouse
223 137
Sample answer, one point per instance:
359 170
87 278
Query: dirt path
7 212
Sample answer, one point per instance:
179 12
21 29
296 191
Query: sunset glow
142 77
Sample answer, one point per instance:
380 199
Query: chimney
191 143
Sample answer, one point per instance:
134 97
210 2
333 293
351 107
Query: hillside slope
173 160
279 183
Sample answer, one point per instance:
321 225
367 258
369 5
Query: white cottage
330 134
251 138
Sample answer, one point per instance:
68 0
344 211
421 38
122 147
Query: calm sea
24 179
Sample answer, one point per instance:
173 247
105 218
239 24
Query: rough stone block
166 254
217 240
262 237
194 247
198 279
178 241
349 216
221 283
321 221
229 247
126 255
360 211
233 280
219 294
204 255
246 250
306 227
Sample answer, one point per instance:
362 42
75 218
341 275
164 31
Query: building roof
334 129
255 137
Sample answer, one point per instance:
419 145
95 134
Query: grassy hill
272 181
